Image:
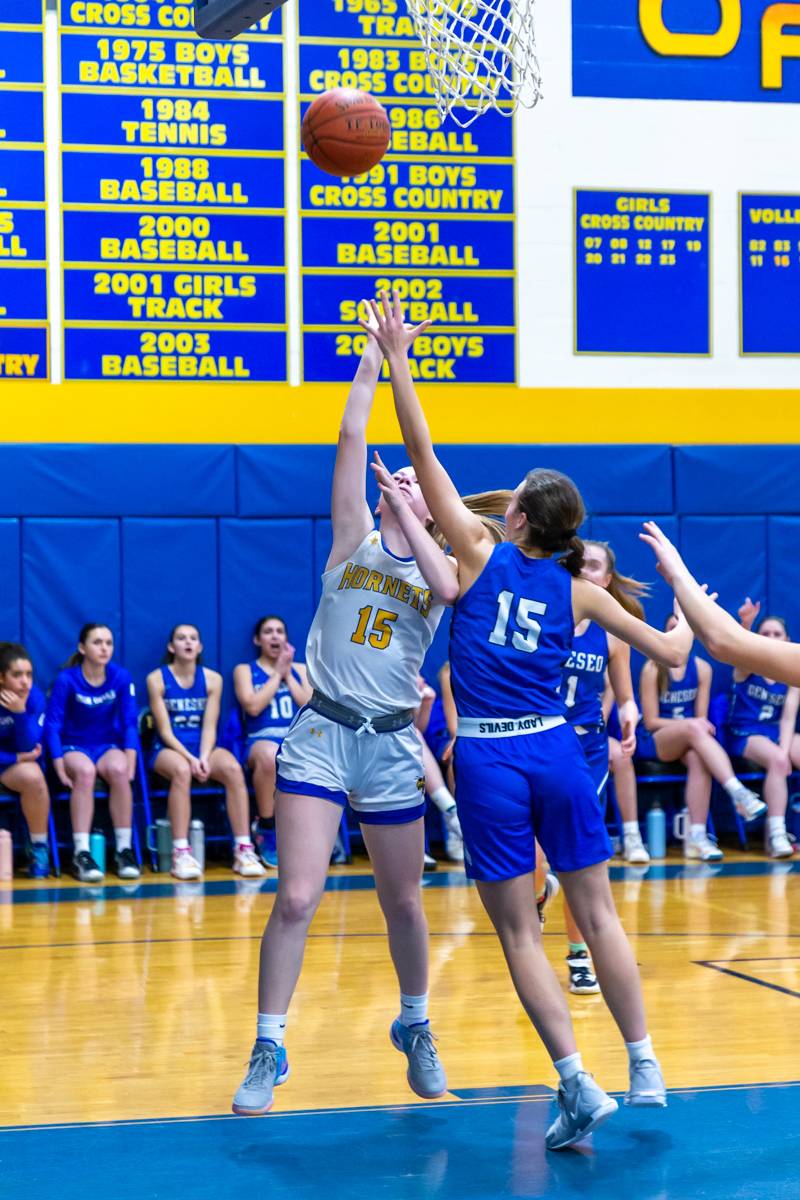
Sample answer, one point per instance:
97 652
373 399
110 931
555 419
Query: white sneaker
247 863
583 1106
453 840
702 848
777 844
551 889
185 866
634 849
749 806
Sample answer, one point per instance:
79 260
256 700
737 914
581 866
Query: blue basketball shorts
514 791
95 753
645 745
594 743
736 739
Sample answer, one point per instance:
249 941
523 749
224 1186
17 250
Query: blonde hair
490 507
625 590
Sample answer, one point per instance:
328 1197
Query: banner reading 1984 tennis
173 197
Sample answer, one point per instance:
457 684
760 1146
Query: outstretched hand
388 328
668 561
748 612
388 485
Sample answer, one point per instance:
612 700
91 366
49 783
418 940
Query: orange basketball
345 132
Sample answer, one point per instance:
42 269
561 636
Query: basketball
345 132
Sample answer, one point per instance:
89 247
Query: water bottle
680 823
6 855
161 834
197 843
97 849
657 831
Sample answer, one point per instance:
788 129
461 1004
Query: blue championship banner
642 278
687 50
433 220
770 273
24 344
173 197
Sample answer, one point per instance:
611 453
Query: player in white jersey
383 594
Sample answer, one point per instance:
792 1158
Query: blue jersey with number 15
510 636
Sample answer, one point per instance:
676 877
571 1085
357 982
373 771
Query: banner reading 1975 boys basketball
687 49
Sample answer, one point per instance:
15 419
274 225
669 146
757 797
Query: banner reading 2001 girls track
434 219
173 197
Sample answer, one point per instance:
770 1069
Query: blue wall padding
737 479
729 555
10 576
166 580
145 536
783 567
71 574
265 567
117 481
296 481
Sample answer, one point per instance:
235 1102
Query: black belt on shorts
388 723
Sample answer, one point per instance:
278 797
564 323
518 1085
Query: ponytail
624 589
76 658
490 507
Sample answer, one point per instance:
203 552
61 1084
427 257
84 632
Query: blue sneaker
425 1073
38 860
266 844
269 1067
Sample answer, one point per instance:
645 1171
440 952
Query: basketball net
480 53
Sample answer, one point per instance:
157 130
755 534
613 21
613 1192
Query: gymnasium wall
142 537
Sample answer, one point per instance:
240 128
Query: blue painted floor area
44 894
712 1144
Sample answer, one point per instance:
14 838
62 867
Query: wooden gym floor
128 1013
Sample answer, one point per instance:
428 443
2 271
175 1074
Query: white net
480 53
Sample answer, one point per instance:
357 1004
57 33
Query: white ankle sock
81 842
642 1049
442 799
243 844
39 839
776 825
180 843
413 1009
629 827
734 787
697 833
272 1027
122 838
568 1067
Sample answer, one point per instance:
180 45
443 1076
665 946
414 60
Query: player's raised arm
724 639
671 649
463 530
350 513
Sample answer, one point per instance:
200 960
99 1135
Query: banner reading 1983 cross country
174 257
434 219
23 216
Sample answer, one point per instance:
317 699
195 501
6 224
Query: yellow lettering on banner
16 366
697 45
776 45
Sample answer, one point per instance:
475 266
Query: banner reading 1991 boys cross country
173 202
434 219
